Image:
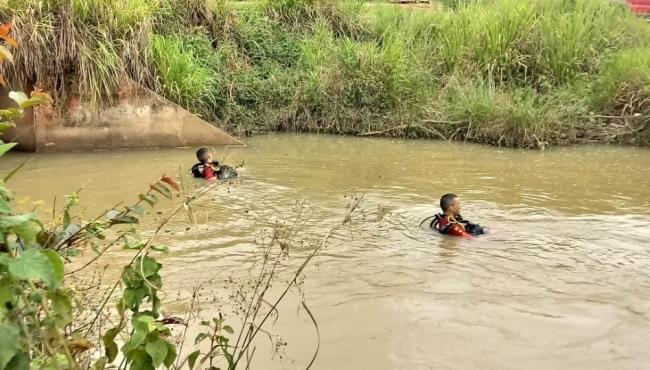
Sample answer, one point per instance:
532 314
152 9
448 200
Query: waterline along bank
504 72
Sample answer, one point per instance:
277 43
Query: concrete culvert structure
137 118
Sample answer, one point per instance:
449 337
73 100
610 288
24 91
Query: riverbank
503 72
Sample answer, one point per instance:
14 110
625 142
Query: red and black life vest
223 173
460 227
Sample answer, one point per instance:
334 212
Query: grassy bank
506 72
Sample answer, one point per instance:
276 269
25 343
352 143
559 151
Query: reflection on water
560 281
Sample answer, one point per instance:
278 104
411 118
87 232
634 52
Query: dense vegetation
506 72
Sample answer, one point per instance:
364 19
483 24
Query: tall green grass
623 85
507 72
183 76
521 42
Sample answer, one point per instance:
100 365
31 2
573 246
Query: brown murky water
561 282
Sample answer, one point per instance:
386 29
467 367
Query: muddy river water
562 280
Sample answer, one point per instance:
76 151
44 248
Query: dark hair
446 201
202 155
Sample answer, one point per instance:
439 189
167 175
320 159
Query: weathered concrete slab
137 118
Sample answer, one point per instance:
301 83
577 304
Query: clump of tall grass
79 47
302 15
622 87
181 16
184 78
351 85
262 39
91 47
479 110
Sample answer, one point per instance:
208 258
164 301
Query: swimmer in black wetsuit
450 222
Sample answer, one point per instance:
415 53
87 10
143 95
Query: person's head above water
450 204
203 155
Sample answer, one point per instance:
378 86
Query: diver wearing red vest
209 169
450 222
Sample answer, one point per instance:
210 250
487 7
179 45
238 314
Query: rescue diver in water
209 169
450 222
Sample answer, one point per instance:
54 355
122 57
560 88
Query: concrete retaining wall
137 118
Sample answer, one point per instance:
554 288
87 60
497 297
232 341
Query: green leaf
6 147
142 326
57 264
4 206
33 101
146 265
9 113
136 245
9 345
155 305
7 298
109 344
141 361
124 220
71 200
62 308
148 198
191 359
171 355
155 280
200 338
66 219
157 349
42 96
18 96
119 306
133 297
4 126
228 329
129 298
162 189
20 362
131 278
160 248
137 209
25 226
33 265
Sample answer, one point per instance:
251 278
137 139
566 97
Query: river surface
562 280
